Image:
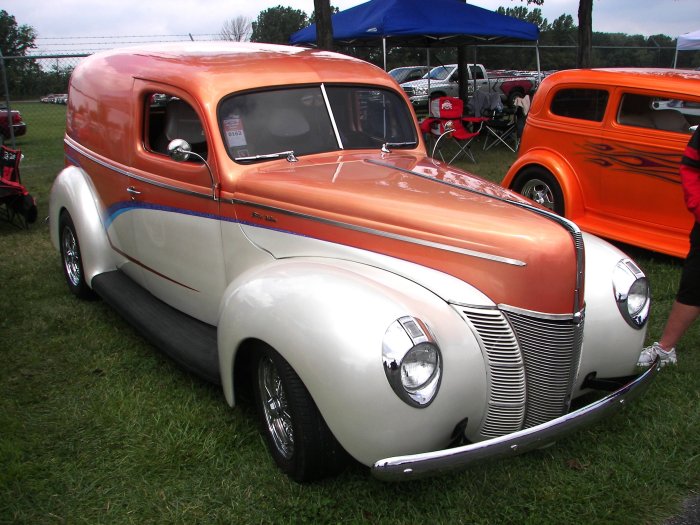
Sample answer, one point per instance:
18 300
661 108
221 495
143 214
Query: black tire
540 186
298 438
72 258
514 93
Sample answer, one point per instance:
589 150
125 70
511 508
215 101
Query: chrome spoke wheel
275 407
540 192
71 256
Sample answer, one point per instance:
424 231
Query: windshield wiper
387 145
291 157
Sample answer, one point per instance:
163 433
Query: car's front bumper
419 100
416 466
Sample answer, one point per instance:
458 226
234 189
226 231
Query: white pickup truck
443 81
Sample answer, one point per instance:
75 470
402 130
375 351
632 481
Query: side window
476 72
168 118
583 104
657 113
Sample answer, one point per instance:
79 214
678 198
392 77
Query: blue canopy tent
421 23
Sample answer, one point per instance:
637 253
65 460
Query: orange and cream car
268 217
603 147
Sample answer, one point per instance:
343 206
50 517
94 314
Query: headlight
632 294
412 361
420 91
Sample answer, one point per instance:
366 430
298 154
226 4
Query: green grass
97 427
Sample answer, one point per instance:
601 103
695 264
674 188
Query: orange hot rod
603 148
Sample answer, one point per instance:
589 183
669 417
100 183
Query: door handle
133 192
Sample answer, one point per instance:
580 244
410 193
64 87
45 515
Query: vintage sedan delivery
268 217
602 147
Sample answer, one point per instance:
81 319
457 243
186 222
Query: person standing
686 307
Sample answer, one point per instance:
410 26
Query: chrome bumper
403 468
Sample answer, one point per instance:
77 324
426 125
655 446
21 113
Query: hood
408 207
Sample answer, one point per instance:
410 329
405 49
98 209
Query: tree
236 29
324 26
276 24
16 41
585 31
585 34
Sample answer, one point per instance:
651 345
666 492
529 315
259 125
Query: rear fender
74 192
557 165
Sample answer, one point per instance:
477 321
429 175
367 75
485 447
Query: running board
191 343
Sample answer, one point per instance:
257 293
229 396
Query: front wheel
540 186
298 438
71 258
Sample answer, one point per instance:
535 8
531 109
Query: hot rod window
651 112
168 118
265 124
583 104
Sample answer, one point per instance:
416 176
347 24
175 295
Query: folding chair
501 127
446 124
14 197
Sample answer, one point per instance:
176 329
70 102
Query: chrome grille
532 363
506 400
551 351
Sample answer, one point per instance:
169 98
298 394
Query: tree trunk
324 26
584 56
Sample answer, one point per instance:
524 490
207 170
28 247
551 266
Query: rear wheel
71 258
540 186
298 438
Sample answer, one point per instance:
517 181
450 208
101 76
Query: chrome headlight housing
420 91
632 293
412 361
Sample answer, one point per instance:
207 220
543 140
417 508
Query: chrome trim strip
81 150
572 228
416 466
372 231
330 112
542 315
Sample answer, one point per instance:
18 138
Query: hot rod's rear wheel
71 257
540 186
296 434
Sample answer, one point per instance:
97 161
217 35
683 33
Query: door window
168 118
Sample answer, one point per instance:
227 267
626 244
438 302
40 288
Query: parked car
7 116
602 147
408 73
442 81
268 216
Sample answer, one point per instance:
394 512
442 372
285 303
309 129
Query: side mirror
179 150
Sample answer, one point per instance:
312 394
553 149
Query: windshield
439 72
267 124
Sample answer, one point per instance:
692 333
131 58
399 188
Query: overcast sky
60 23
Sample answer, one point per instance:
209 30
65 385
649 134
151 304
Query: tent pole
539 68
675 59
384 50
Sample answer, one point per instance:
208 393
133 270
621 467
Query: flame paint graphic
654 164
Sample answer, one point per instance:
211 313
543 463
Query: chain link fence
36 86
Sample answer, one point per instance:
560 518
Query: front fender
561 170
328 318
74 192
611 347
